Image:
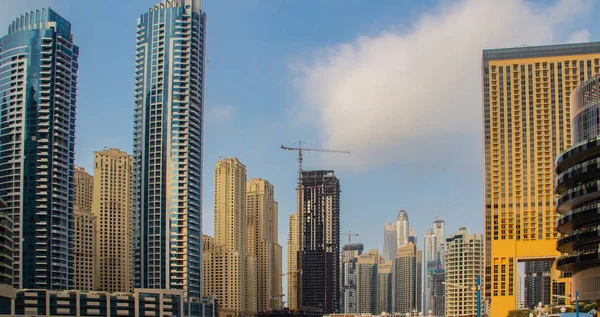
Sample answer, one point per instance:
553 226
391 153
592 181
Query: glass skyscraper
38 92
168 147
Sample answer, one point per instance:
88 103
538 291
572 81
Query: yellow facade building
526 126
236 291
292 262
221 277
261 215
84 234
112 206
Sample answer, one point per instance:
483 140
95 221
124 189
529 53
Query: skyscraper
404 279
537 283
438 300
37 130
431 264
419 281
236 293
350 254
527 115
112 204
168 146
402 228
261 215
464 262
84 234
292 261
320 239
366 282
439 230
434 259
384 287
577 195
390 241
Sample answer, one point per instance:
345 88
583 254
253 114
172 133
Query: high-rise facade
526 109
434 246
168 146
419 281
464 263
292 261
39 62
221 277
404 280
366 282
402 228
238 295
390 241
350 254
537 283
384 287
438 301
85 232
439 230
261 215
320 241
112 207
578 190
7 292
84 189
431 264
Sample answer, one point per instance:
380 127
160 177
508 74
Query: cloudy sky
397 83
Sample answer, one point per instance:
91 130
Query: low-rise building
142 302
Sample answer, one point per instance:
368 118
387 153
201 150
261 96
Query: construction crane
350 235
300 149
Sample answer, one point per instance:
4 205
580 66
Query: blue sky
395 82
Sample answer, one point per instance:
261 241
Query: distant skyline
377 79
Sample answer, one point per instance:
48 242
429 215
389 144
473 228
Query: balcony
576 263
577 240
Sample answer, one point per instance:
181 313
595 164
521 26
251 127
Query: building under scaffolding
319 259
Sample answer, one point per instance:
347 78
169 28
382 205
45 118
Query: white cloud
580 36
219 113
408 95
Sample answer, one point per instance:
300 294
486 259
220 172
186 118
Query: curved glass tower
578 189
402 228
38 92
168 141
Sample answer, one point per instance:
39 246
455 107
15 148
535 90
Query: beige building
225 260
366 282
384 287
404 279
261 215
464 262
292 263
221 271
84 234
112 206
84 186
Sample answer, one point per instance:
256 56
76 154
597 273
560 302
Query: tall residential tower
319 257
113 170
464 263
402 230
390 241
85 233
261 215
38 93
233 277
168 147
527 124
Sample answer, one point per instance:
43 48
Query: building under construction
318 258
